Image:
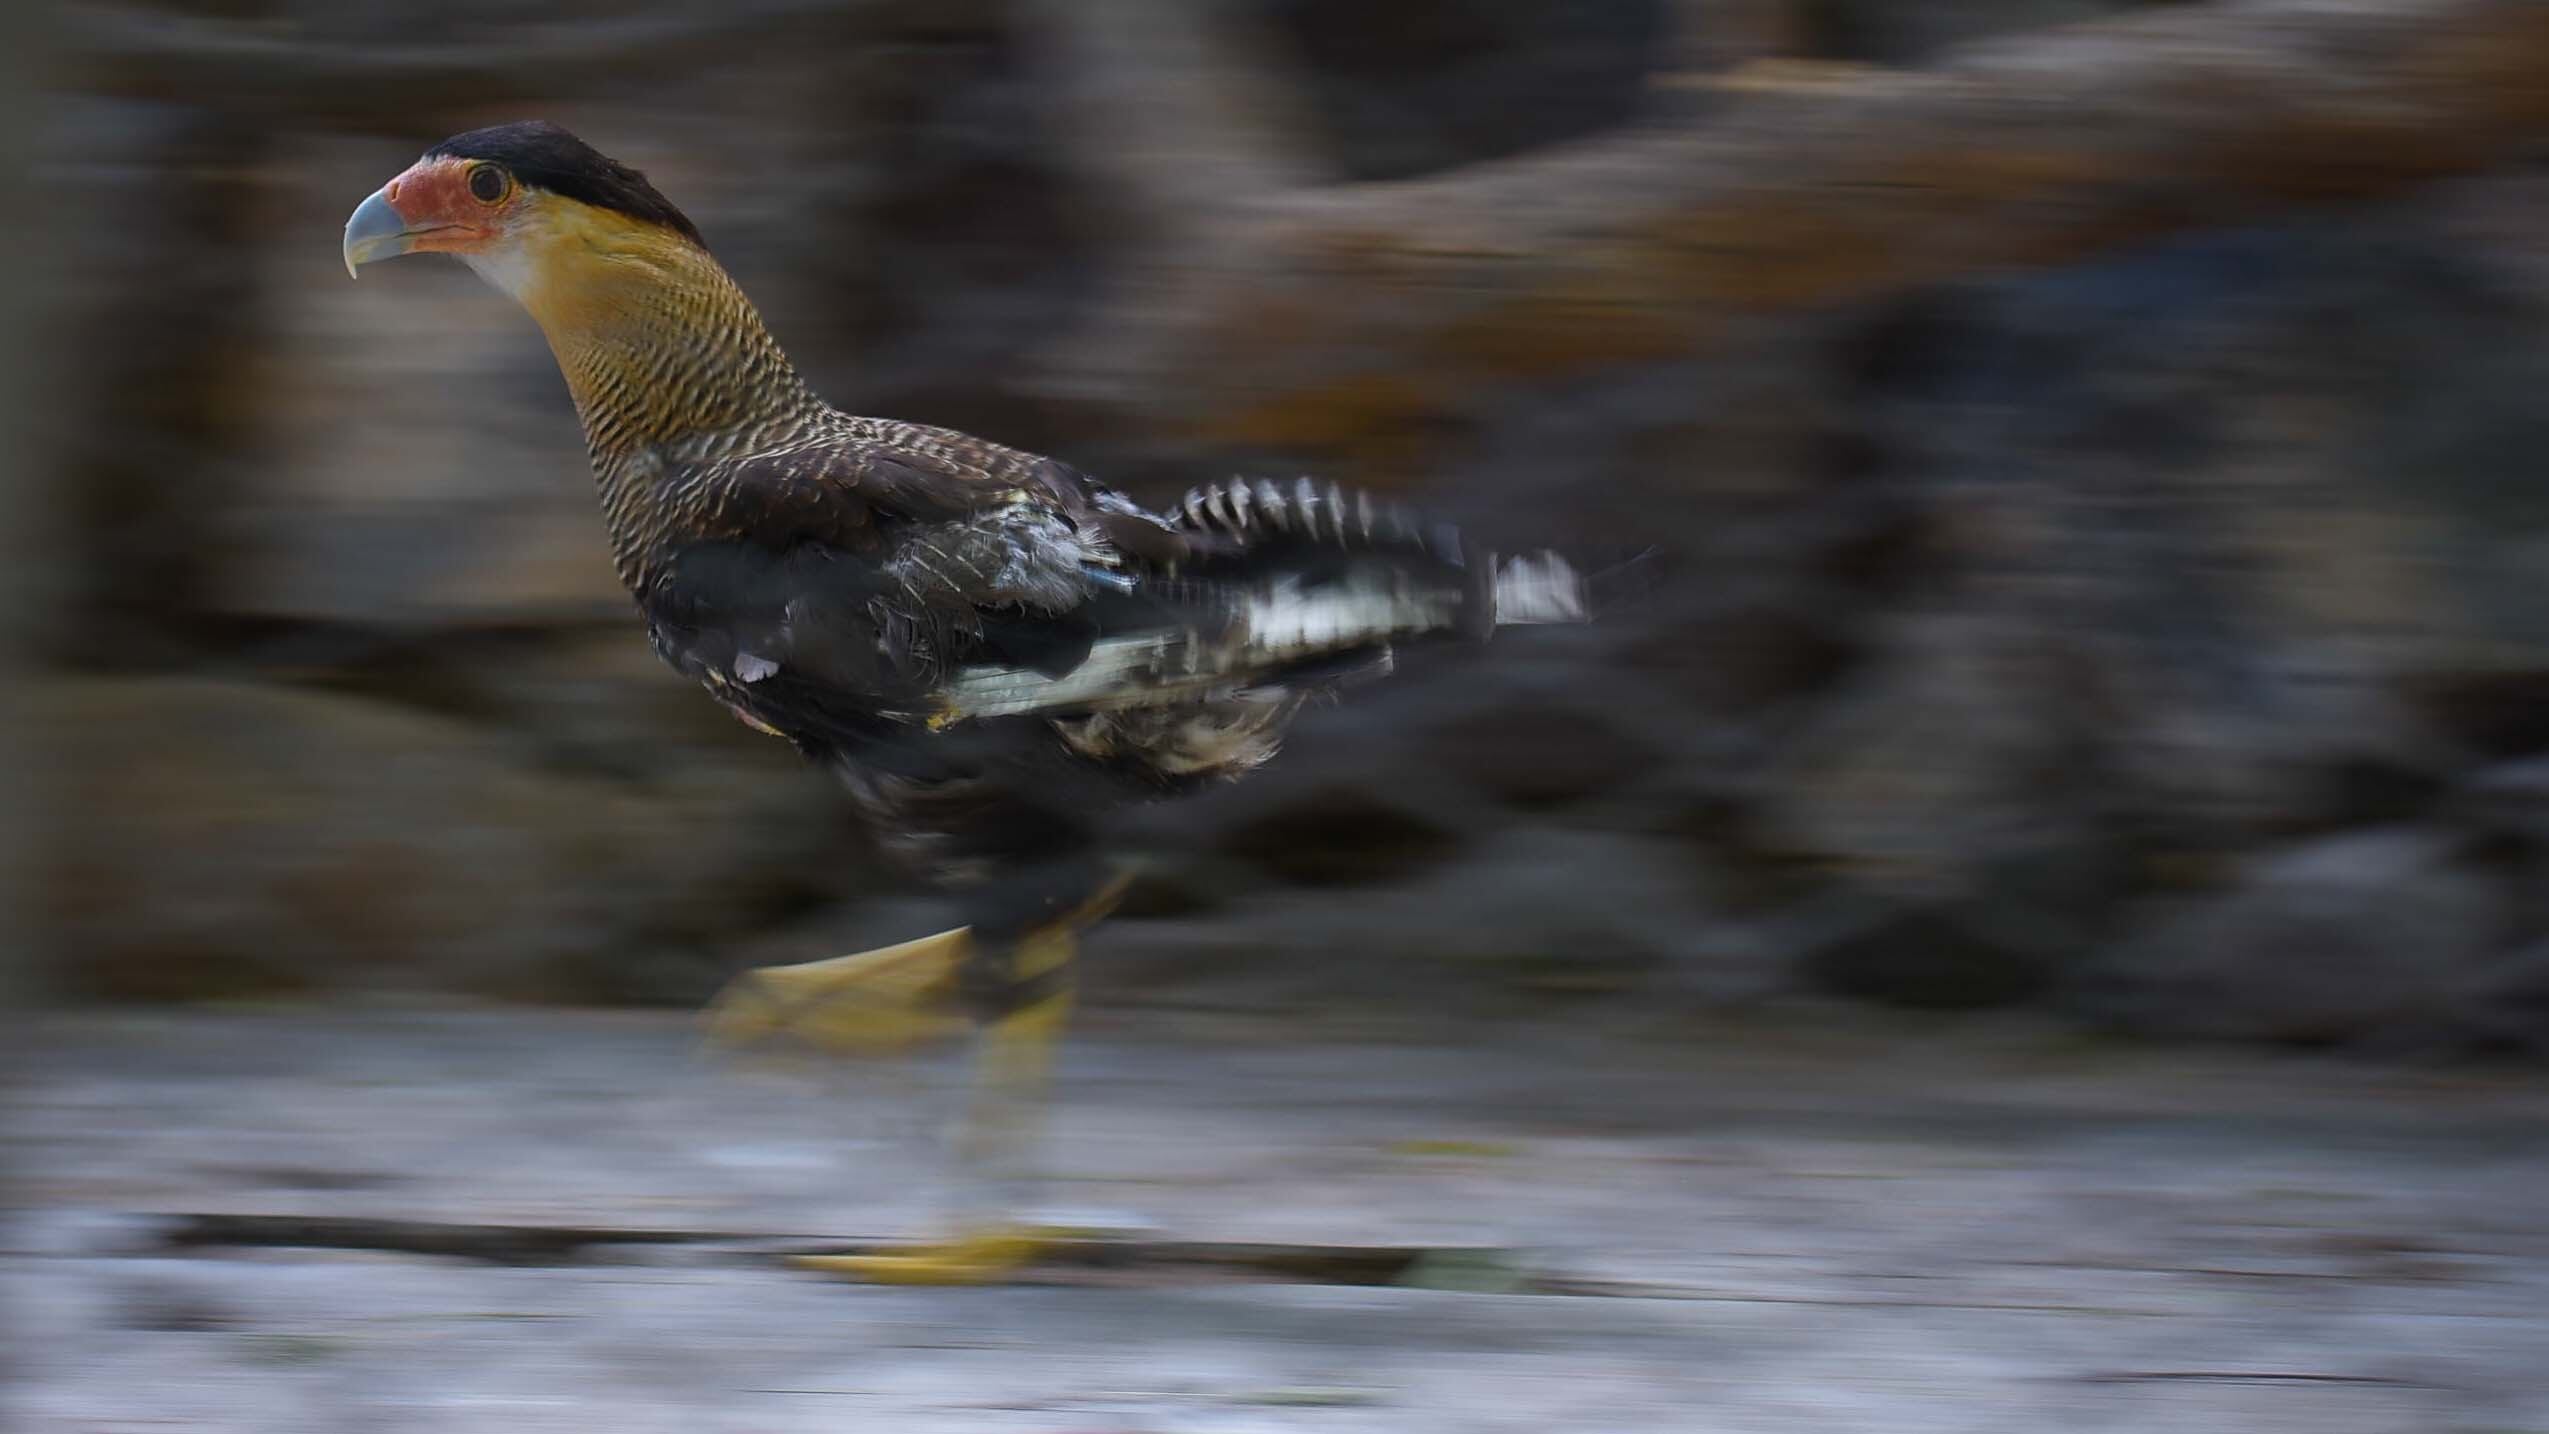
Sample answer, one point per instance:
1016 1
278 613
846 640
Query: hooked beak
376 232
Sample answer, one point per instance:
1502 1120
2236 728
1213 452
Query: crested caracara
987 649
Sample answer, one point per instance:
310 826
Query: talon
973 1259
872 1003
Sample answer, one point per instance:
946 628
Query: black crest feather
546 157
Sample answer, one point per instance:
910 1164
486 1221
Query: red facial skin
432 197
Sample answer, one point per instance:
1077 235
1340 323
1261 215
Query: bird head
514 202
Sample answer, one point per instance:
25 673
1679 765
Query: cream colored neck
658 345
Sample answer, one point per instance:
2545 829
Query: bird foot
975 1258
870 1003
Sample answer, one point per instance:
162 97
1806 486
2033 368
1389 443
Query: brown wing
847 485
849 574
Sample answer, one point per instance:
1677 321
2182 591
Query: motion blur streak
2040 924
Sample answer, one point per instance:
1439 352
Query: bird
988 649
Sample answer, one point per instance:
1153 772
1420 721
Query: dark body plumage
989 647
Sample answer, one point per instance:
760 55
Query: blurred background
2106 461
2044 923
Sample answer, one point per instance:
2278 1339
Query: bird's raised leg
869 1003
995 1144
1015 990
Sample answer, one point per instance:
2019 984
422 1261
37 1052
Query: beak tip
375 232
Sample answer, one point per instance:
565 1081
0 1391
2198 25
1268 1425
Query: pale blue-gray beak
375 232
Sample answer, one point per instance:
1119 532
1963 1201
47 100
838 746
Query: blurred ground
1778 1225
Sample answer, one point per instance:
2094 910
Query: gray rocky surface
2372 931
1771 1225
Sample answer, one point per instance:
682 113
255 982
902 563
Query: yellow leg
1001 1123
977 1257
872 1003
901 996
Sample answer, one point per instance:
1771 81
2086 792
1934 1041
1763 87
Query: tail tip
1544 587
1540 587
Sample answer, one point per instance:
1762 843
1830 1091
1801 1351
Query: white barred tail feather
1540 588
1290 609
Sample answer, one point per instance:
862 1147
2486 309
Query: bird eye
487 184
